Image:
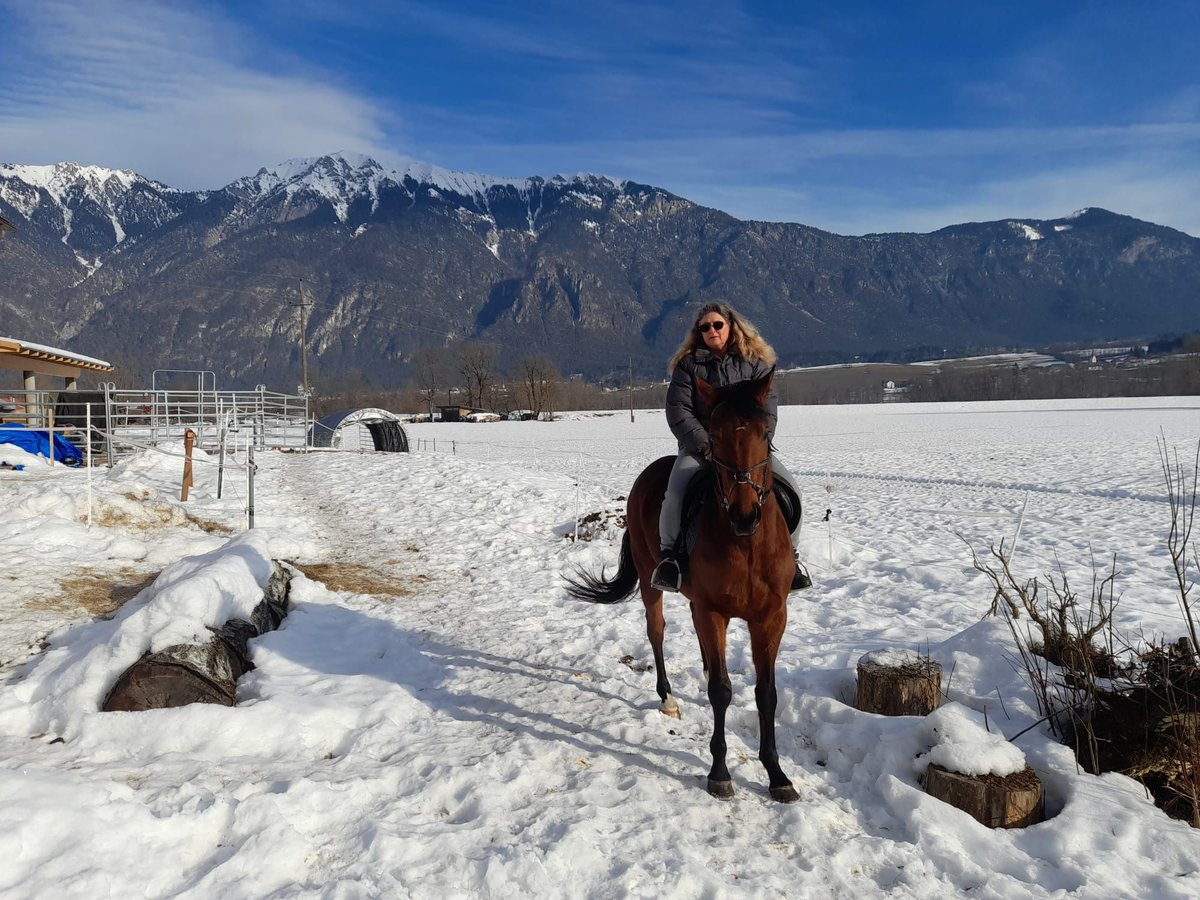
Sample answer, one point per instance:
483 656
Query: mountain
593 272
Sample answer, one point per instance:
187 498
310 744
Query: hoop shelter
359 429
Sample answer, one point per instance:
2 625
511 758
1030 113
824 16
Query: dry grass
141 512
101 594
356 578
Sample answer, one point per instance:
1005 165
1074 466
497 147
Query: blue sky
853 117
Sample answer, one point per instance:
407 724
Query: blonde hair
744 338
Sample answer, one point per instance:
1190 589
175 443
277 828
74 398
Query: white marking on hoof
670 708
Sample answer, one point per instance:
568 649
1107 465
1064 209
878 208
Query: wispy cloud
174 92
842 120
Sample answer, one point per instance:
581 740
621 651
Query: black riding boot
800 581
666 575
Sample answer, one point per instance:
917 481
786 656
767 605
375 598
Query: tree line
469 374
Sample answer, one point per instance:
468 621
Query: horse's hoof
722 790
784 794
670 708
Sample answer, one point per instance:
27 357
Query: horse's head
737 432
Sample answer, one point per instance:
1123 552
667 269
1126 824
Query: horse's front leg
655 626
711 628
764 644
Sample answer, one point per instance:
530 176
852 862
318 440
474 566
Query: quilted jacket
687 413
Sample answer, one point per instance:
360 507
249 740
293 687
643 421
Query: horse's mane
741 400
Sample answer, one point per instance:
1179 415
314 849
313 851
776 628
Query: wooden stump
898 683
1008 801
201 673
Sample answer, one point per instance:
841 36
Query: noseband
740 476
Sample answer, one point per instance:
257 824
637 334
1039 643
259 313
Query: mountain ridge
595 272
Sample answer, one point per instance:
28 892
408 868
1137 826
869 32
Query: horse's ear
707 391
762 387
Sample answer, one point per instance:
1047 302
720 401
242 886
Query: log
201 673
998 801
898 683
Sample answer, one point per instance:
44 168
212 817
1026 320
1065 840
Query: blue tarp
33 441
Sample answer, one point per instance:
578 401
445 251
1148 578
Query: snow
42 348
342 178
100 184
455 725
961 741
1026 231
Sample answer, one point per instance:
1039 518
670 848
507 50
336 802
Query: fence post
221 434
189 440
250 469
88 450
578 467
50 432
1020 522
109 387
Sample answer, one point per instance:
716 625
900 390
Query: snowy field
436 718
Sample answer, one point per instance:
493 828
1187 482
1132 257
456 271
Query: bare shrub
1127 708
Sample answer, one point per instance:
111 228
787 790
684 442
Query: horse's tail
598 589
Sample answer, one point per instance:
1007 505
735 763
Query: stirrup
800 581
666 575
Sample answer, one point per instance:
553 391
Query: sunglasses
715 326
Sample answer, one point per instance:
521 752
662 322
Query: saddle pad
700 491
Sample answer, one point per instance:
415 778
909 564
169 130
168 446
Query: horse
741 566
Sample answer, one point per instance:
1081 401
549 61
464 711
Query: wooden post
1008 801
189 441
898 683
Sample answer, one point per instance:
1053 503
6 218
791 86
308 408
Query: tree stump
998 801
898 683
201 673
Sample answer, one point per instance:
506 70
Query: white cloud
167 92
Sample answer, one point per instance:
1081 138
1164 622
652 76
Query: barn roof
6 225
45 360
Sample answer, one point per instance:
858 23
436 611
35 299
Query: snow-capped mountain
586 269
92 209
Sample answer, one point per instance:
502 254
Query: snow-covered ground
436 718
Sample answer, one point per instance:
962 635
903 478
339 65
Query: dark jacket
687 413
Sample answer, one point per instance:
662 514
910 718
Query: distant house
458 413
894 390
6 225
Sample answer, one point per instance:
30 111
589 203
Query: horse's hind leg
655 626
764 644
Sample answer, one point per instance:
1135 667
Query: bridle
740 476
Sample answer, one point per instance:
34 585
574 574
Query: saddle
700 492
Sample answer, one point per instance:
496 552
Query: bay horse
740 567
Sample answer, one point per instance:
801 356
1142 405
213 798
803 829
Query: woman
723 349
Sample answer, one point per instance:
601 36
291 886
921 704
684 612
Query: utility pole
631 388
302 306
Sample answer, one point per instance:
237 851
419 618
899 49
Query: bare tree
477 365
538 383
431 372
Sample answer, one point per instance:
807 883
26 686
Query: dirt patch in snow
356 578
101 594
